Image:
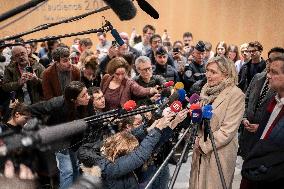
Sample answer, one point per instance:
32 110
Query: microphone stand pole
189 143
104 28
166 160
211 136
48 25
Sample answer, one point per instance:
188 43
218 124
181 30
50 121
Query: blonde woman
228 104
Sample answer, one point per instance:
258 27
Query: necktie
262 94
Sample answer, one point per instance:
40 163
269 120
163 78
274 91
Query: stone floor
184 173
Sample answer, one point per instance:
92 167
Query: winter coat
228 110
12 75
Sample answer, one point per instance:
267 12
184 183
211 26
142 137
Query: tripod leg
217 158
189 143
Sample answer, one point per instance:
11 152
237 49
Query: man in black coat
254 66
255 116
264 165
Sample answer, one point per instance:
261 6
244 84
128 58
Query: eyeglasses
146 69
244 51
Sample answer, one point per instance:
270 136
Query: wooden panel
212 20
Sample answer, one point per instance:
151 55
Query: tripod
188 144
207 115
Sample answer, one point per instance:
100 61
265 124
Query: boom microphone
116 36
124 9
146 7
20 9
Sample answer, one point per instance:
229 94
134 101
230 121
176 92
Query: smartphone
13 96
29 69
175 50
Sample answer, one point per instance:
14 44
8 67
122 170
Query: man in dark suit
264 164
257 99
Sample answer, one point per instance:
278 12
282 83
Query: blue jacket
119 174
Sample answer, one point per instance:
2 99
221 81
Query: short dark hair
278 58
22 109
155 36
187 34
86 42
276 49
148 26
257 45
72 91
60 52
93 90
50 44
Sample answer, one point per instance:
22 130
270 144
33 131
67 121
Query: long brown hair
119 145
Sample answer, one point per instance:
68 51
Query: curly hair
119 145
60 52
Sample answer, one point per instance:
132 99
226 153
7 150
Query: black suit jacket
256 116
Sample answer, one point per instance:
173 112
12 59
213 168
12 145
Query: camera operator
71 107
19 167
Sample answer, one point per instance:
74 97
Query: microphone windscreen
179 85
176 106
117 37
124 9
194 98
173 97
52 134
129 105
194 107
166 92
207 111
169 84
146 7
196 116
181 95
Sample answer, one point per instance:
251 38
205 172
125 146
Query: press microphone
206 115
193 99
196 114
166 84
129 105
179 85
176 106
181 94
158 113
124 9
146 7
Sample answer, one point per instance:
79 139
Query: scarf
209 94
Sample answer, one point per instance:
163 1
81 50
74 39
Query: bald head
20 55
